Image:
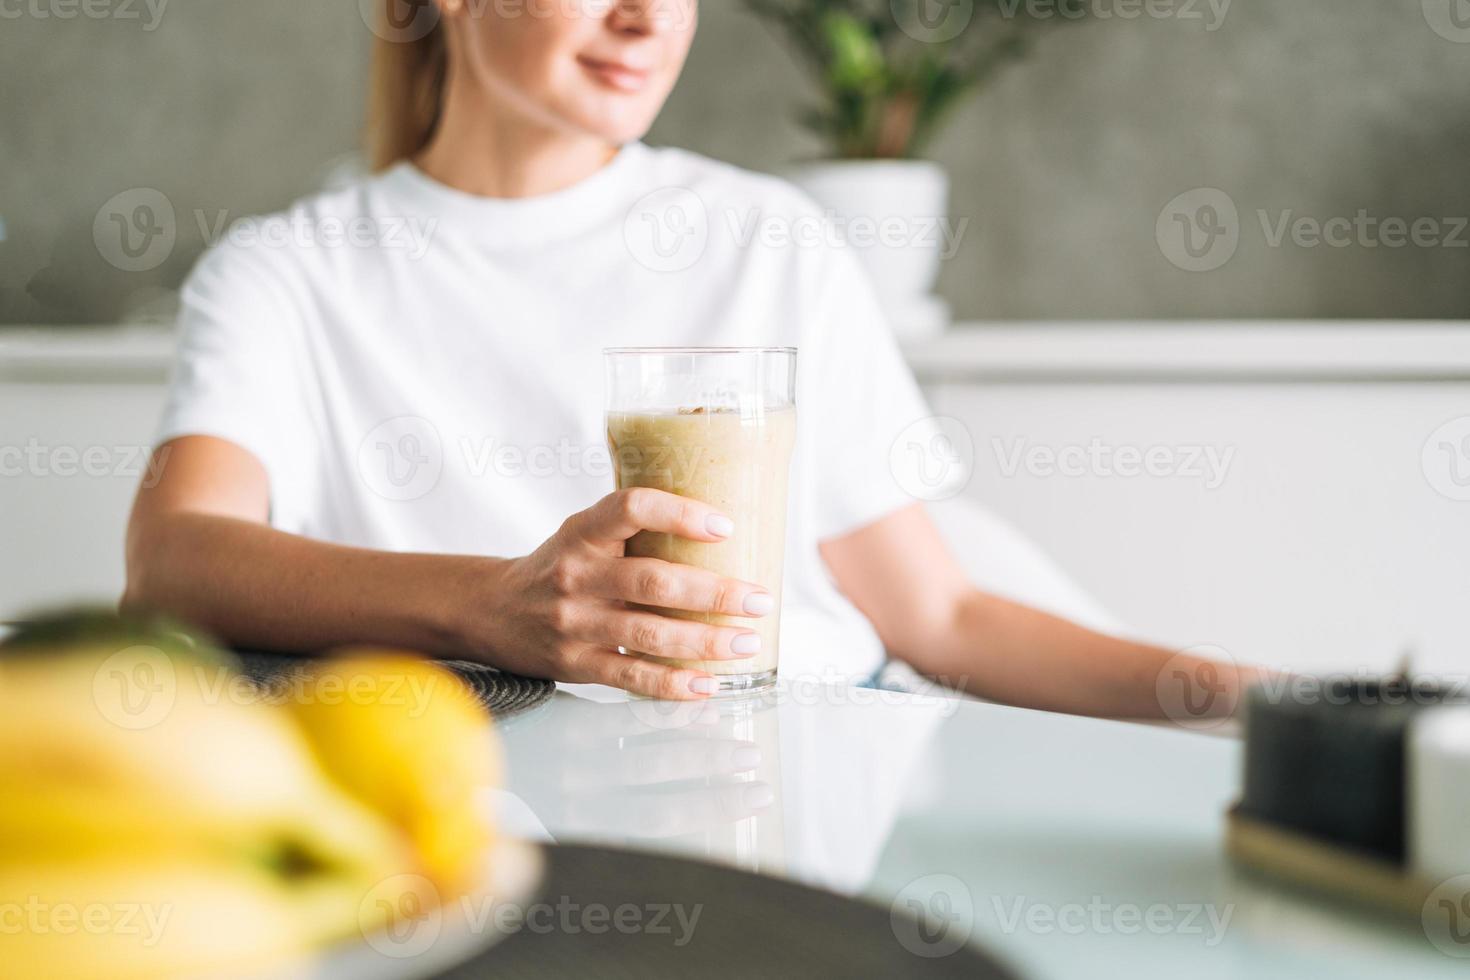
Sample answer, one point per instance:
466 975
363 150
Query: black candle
1327 758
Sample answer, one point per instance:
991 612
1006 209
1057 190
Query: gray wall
224 105
1320 108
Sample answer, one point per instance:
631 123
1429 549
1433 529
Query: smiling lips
616 75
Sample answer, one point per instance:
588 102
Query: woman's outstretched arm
200 546
900 573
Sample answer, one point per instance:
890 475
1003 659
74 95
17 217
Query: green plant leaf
856 58
886 91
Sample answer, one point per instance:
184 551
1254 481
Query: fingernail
760 604
719 525
758 797
704 685
745 757
746 643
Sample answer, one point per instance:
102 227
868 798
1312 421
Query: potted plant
889 72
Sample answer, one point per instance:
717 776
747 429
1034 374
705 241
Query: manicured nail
719 525
746 644
745 758
758 797
760 604
704 685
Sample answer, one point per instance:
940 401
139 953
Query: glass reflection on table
800 784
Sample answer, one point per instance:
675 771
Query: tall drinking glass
716 424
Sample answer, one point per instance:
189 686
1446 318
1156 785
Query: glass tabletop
1060 844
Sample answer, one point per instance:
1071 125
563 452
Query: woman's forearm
900 573
561 612
1013 654
255 586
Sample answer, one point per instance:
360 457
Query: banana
210 774
409 739
161 819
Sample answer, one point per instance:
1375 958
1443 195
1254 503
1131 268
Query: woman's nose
651 16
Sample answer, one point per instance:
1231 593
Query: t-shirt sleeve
237 373
859 394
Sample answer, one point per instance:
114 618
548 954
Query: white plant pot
894 214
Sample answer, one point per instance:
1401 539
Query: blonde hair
406 95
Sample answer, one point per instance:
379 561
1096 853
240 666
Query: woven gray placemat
504 695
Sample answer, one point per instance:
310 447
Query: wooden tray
1324 867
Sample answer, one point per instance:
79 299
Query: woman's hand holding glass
562 611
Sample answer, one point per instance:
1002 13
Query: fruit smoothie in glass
717 425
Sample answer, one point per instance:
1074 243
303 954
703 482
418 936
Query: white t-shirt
420 369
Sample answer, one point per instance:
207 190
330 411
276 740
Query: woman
337 450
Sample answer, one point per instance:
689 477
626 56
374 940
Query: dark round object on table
502 694
1327 758
748 926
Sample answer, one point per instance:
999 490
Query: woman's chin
614 134
608 120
